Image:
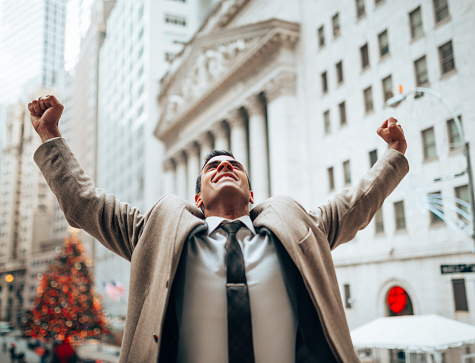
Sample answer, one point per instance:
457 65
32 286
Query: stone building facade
26 212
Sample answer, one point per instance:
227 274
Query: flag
114 290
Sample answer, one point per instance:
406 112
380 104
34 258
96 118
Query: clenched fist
45 114
393 134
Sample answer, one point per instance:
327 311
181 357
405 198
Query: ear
251 197
198 200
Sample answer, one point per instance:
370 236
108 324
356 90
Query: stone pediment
210 61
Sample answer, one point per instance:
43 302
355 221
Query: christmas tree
66 305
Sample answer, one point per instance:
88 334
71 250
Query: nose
226 165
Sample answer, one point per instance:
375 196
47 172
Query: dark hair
208 157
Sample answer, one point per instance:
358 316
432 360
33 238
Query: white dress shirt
201 298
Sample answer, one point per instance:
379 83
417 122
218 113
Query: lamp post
420 91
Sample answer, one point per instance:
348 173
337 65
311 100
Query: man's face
223 178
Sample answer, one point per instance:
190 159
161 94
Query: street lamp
420 91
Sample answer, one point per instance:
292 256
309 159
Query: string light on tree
66 305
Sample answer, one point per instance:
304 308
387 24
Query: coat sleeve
352 209
115 224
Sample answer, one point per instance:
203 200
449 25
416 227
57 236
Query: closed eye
212 166
237 165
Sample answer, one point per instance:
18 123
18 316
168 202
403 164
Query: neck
227 212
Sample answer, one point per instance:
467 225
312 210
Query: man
213 282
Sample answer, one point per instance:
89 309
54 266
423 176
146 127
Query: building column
193 166
238 136
283 130
180 180
220 132
259 167
169 182
206 145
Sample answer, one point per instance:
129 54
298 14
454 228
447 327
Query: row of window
428 140
387 85
175 20
446 54
441 13
373 157
434 200
446 58
435 205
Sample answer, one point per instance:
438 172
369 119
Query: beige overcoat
153 242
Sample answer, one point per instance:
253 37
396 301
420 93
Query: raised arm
352 209
115 224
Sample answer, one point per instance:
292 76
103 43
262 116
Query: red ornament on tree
397 299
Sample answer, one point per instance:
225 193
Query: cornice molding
212 63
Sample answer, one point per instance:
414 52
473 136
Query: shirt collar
214 222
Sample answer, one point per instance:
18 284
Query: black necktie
240 348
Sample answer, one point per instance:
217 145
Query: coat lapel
269 218
186 226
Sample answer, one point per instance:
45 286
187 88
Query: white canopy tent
415 333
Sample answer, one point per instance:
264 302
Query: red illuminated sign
397 299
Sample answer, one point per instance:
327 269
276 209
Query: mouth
229 176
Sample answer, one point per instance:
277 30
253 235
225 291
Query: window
360 10
399 216
368 99
383 44
373 157
348 299
175 20
387 88
435 207
331 179
415 21
441 10
321 37
455 142
324 82
339 72
420 67
346 172
379 222
326 122
336 25
446 55
342 109
364 56
462 202
428 144
460 295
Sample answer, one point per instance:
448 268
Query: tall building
83 102
32 43
43 254
26 210
141 37
297 91
359 62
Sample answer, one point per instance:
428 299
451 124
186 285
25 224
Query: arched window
398 302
